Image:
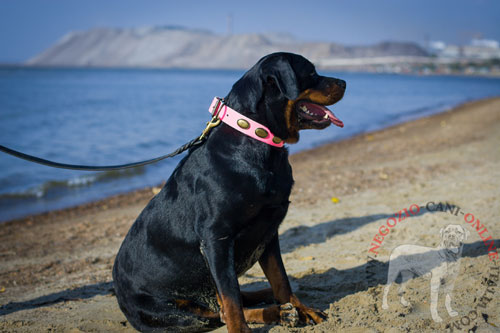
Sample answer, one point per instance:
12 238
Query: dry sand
55 268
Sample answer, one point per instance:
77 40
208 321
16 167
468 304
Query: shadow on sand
84 292
319 233
331 285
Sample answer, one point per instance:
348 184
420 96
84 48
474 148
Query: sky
27 27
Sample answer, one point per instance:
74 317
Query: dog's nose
341 83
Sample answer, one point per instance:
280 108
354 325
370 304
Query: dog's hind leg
385 305
392 275
447 302
405 276
174 316
448 289
284 314
435 283
198 310
251 298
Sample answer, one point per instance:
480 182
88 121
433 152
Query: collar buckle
215 121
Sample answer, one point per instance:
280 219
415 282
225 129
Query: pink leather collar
243 124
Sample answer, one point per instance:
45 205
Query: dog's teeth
304 108
325 117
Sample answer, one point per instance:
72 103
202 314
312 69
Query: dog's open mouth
452 244
316 115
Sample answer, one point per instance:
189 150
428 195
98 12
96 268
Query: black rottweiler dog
219 213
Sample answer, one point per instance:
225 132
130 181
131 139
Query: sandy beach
55 268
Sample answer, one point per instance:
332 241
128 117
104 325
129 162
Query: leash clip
211 124
215 121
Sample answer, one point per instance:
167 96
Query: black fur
219 210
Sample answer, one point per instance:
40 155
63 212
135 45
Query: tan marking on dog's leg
195 308
307 314
273 268
284 314
233 316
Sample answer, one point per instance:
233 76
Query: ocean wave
45 189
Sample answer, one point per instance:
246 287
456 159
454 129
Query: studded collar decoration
243 124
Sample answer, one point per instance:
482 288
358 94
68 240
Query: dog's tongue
320 109
333 118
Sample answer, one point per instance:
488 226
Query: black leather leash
39 160
215 121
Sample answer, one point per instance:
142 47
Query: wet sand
55 268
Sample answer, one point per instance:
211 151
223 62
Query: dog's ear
467 233
246 92
283 75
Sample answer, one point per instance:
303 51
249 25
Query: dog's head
453 236
285 93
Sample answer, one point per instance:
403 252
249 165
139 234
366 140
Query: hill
175 47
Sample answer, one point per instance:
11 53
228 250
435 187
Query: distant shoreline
154 68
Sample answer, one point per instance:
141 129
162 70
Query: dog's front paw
404 302
311 316
288 315
306 314
437 319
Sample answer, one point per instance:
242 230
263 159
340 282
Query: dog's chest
253 240
281 181
246 262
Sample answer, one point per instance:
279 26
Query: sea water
115 116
